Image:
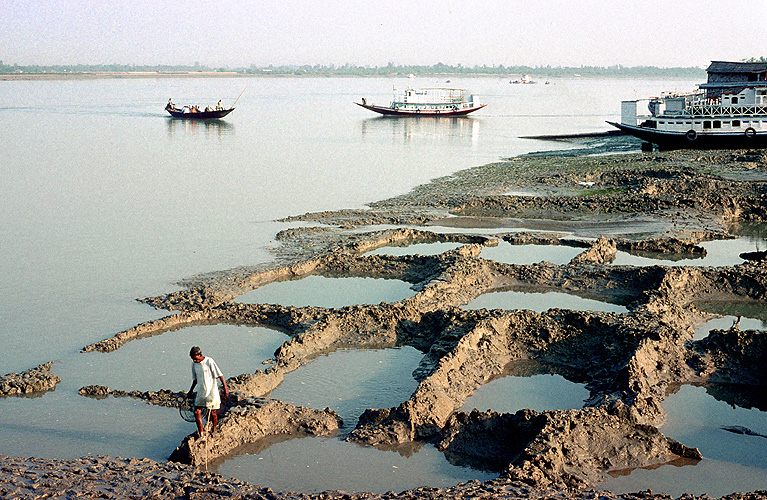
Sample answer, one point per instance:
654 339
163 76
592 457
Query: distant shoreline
100 75
95 75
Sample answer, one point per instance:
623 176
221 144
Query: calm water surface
313 291
107 200
732 462
540 302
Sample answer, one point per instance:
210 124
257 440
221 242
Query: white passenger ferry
728 111
428 101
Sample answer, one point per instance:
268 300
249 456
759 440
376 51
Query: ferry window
706 124
735 100
662 123
736 123
717 124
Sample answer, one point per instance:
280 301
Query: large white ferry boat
428 101
728 111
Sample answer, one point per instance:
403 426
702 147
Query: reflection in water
207 128
532 385
732 461
540 302
313 291
679 462
740 395
727 322
416 249
530 254
420 127
753 310
756 230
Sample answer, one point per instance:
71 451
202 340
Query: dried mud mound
34 381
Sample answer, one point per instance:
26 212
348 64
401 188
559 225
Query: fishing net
186 408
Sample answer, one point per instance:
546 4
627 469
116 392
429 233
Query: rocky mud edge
659 202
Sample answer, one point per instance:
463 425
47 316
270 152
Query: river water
106 199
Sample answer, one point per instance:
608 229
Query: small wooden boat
199 115
428 102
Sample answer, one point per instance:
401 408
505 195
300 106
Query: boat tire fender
691 135
750 133
417 110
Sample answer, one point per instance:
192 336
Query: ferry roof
736 67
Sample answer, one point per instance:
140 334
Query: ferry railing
701 110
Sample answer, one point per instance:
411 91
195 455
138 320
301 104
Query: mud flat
663 202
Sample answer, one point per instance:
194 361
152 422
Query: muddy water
417 249
347 381
530 254
744 316
350 381
318 464
540 302
527 384
732 462
718 253
313 291
726 322
123 427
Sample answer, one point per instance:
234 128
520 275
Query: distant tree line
99 68
443 69
390 69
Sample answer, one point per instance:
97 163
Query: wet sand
662 202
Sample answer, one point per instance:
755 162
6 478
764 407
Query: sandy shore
665 203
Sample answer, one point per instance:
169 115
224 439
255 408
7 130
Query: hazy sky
510 32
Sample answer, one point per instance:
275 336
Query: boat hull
421 112
201 115
696 140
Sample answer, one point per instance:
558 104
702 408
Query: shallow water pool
530 254
164 358
312 465
726 322
349 381
320 291
732 462
718 253
417 249
540 302
540 392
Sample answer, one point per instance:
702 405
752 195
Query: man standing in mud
205 373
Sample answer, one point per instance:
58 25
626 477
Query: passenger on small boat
170 105
218 106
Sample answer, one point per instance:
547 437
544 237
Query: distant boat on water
194 112
188 114
524 80
435 101
728 111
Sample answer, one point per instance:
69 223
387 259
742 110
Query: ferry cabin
434 99
732 102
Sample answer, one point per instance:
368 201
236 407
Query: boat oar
238 97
